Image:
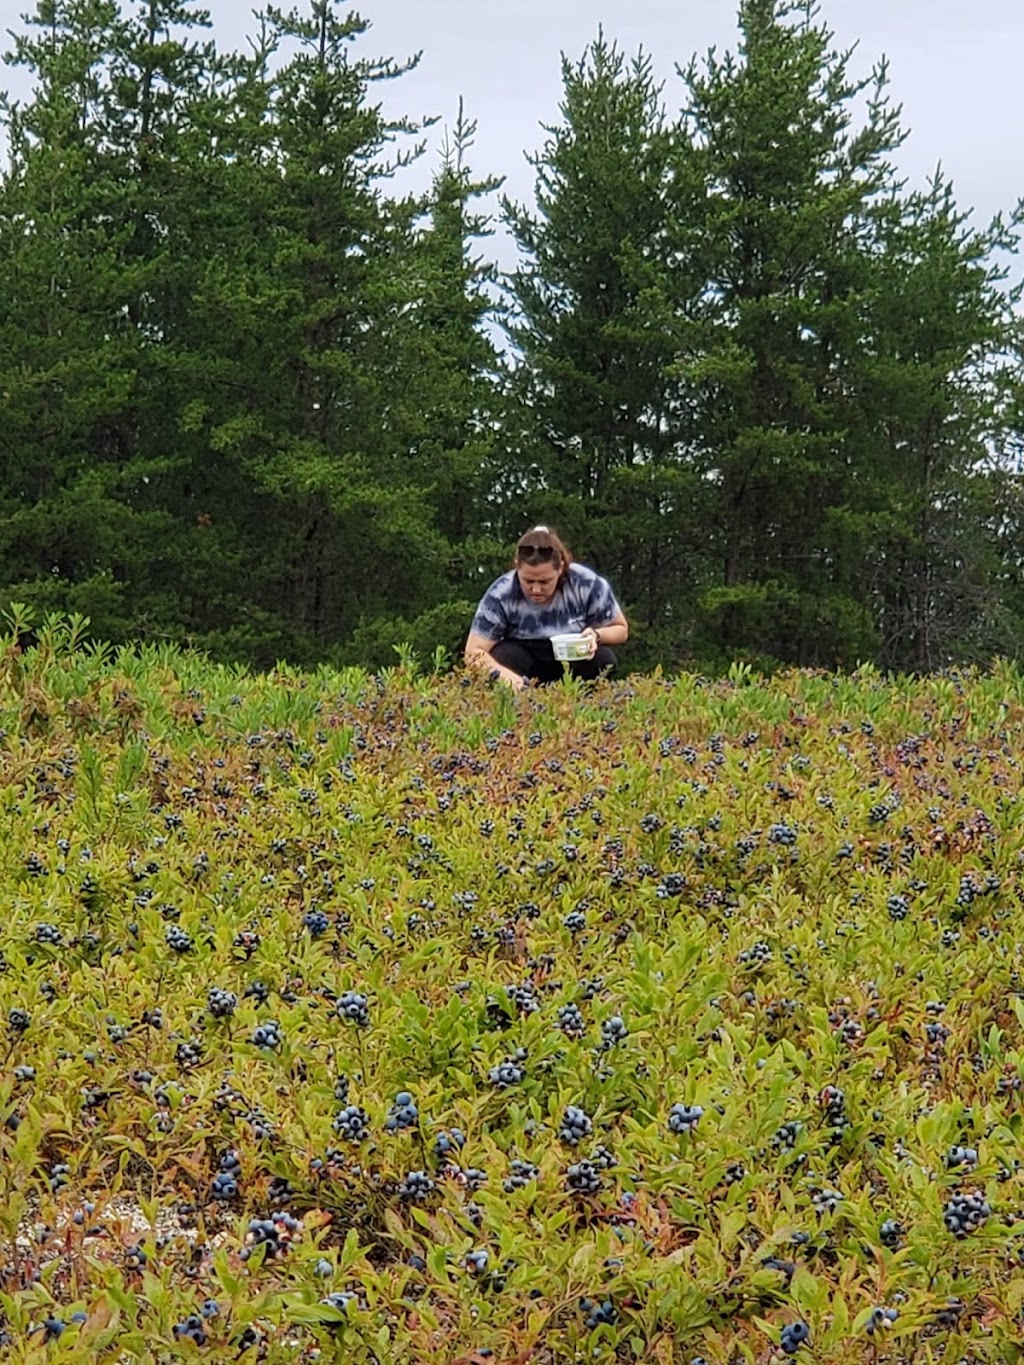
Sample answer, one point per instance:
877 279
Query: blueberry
576 1124
224 1187
613 1030
583 1178
404 1113
523 997
598 1314
521 1174
962 1156
881 1318
221 1003
191 1329
506 1074
267 1035
353 1123
339 1300
794 1335
570 1021
448 1143
316 922
683 1118
787 1134
353 1007
416 1187
964 1214
177 939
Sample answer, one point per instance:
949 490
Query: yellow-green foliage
793 904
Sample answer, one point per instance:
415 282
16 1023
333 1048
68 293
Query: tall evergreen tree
590 301
83 226
306 310
941 363
788 182
453 403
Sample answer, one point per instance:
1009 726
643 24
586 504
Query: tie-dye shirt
582 598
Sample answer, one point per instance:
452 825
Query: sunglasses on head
536 554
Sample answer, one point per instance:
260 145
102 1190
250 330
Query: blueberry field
376 1018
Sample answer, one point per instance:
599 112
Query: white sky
955 66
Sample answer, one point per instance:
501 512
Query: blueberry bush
390 1017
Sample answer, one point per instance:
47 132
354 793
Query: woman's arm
614 632
478 656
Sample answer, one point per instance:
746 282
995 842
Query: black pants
535 659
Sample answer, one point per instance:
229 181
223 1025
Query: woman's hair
541 545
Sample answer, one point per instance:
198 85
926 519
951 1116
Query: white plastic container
570 647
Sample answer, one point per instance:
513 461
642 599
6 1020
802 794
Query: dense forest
258 401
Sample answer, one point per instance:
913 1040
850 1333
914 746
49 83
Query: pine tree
303 341
606 462
83 223
788 182
940 367
452 406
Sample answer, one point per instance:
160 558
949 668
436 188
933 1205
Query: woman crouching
544 594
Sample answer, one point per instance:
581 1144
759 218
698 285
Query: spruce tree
940 371
303 339
453 407
770 362
85 231
603 456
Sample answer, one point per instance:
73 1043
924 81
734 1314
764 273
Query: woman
544 594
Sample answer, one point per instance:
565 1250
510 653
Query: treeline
257 400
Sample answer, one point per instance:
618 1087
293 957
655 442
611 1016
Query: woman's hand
505 675
591 634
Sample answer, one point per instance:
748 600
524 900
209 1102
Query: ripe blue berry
965 1213
316 922
267 1035
221 1003
570 1020
794 1335
583 1178
192 1329
340 1300
598 1314
576 1125
881 1318
224 1187
613 1030
890 1234
177 939
416 1187
354 1008
506 1074
448 1143
520 1175
352 1123
683 1118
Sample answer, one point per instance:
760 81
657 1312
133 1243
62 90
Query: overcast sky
955 66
